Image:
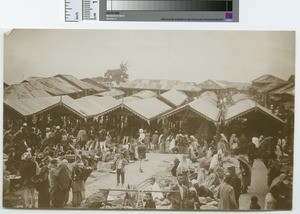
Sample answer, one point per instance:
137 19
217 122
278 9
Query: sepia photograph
148 120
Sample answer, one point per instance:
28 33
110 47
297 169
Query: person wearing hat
235 182
120 167
28 170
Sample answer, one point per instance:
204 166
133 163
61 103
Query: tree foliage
116 76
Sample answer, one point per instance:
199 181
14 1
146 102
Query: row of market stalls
167 111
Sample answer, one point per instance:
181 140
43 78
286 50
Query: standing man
226 195
28 170
141 150
120 166
178 198
235 182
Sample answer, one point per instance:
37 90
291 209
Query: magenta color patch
229 15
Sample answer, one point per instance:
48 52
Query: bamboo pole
136 190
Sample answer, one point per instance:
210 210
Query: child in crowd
254 205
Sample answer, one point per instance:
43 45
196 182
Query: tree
116 76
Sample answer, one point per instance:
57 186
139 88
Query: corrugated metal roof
145 94
148 109
212 84
245 106
284 89
201 107
54 85
271 86
206 109
267 79
176 98
99 84
159 85
113 93
74 81
210 97
23 91
98 105
129 99
30 106
238 97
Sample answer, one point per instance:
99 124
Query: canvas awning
201 107
244 107
174 97
147 109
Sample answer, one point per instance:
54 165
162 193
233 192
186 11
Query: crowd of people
58 161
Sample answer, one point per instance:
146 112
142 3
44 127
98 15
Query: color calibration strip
152 10
169 5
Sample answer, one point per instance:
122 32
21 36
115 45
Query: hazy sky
195 56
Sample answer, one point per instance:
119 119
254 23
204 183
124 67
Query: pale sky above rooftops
193 56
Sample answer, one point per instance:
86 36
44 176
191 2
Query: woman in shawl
62 179
42 186
77 185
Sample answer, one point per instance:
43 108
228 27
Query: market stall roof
213 85
74 81
246 106
238 97
267 79
201 107
152 84
145 94
284 89
174 97
113 93
98 106
147 109
128 99
74 106
53 85
30 106
210 97
23 91
271 86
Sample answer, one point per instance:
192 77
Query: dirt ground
154 164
